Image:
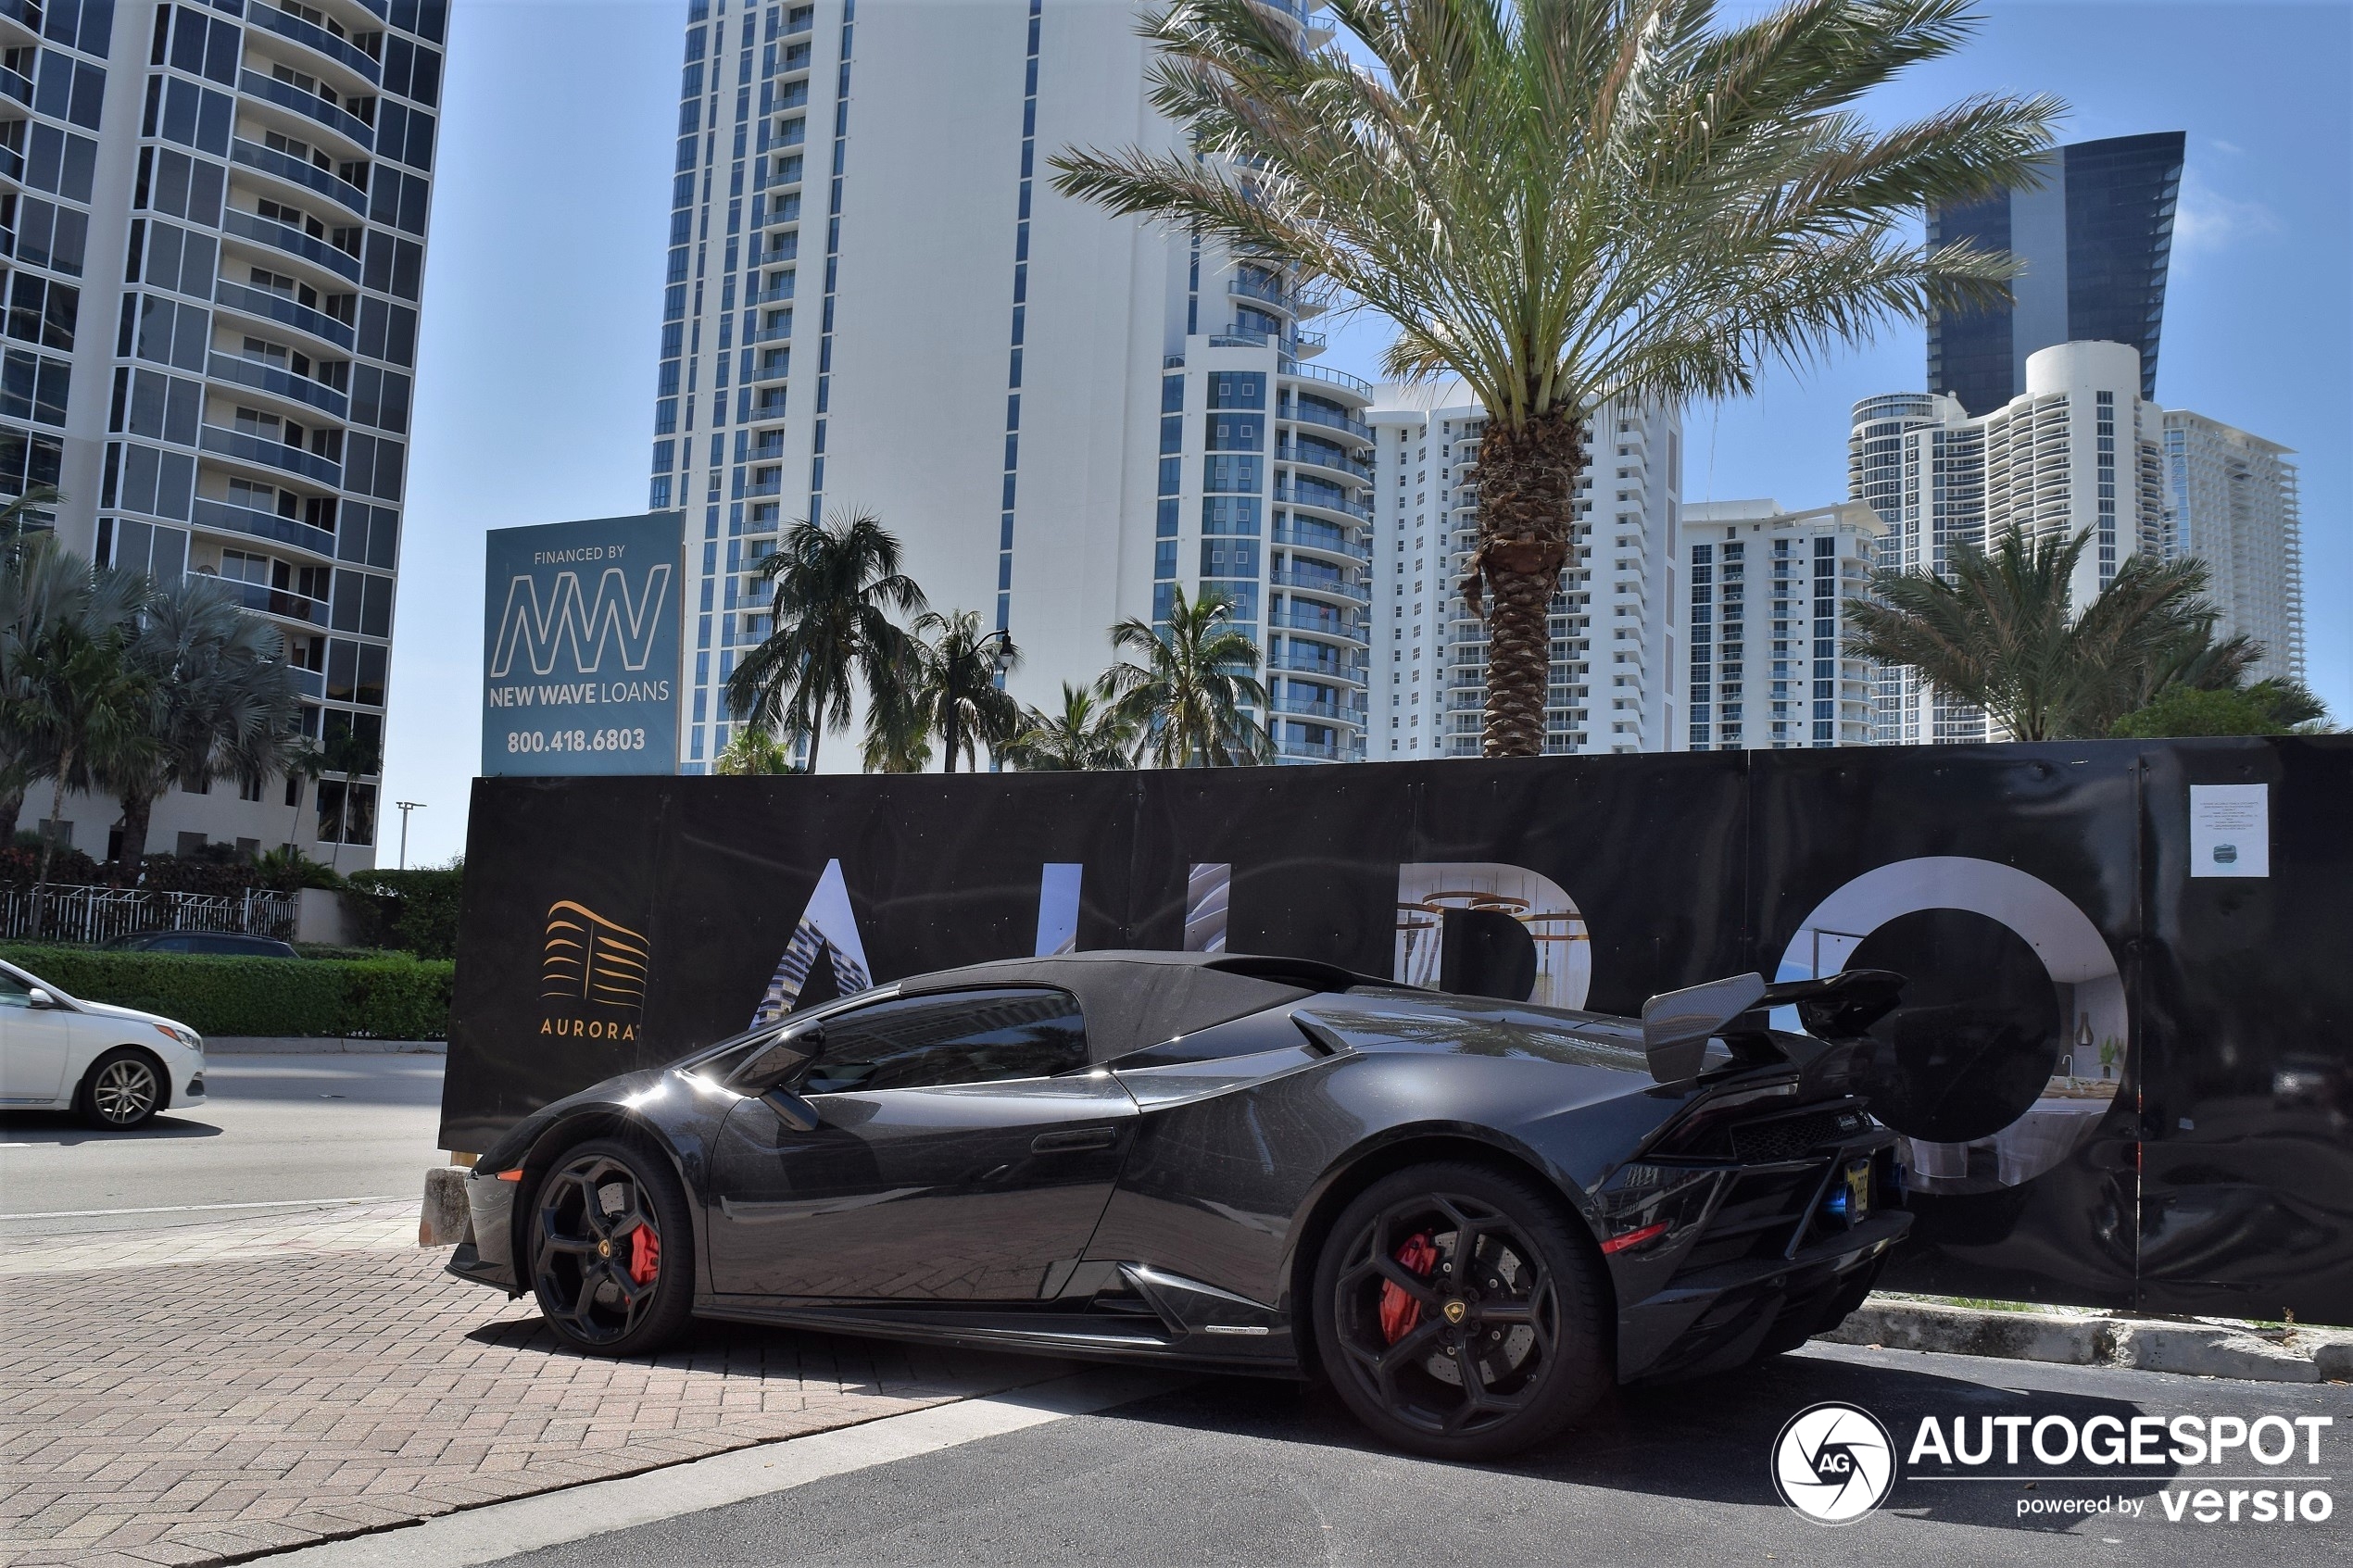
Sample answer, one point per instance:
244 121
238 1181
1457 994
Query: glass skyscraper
2096 238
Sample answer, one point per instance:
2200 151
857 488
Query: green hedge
393 998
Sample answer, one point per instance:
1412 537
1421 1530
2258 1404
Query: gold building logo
596 965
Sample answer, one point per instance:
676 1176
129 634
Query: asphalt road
1227 1470
274 1131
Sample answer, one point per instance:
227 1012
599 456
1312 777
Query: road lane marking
196 1208
503 1529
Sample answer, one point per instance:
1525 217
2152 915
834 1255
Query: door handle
1077 1140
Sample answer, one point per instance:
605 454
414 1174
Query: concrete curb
321 1045
2200 1349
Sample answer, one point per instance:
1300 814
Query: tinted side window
956 1037
171 945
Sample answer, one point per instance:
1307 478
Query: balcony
1314 414
1308 751
1357 385
286 95
787 210
263 376
255 524
1269 293
1314 536
1323 712
278 308
1314 582
765 411
1323 457
782 294
769 335
276 601
775 372
1325 669
277 454
297 172
17 85
25 14
342 50
1328 500
293 242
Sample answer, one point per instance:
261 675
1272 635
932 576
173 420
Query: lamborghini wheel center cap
604 1250
1456 1309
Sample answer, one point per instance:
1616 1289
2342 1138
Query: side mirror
776 1061
1676 1025
40 999
794 1112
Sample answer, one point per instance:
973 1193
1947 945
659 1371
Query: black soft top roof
1135 999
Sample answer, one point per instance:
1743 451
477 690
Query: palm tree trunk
11 809
1526 504
952 736
816 734
138 809
49 839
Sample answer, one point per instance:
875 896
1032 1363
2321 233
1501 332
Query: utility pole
406 807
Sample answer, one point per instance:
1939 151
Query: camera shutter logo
1834 1463
597 965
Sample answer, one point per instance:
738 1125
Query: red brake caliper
1400 1313
645 1254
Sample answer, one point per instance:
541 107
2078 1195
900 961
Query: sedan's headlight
187 1037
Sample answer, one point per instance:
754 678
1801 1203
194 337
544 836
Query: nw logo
589 959
571 618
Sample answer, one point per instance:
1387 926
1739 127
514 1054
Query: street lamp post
406 807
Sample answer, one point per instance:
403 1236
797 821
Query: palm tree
1184 701
1559 201
754 751
1997 630
1085 734
70 700
223 703
22 515
956 694
837 584
303 761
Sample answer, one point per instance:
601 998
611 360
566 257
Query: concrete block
2202 1351
445 1215
1963 1330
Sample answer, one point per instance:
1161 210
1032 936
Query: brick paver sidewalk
212 1391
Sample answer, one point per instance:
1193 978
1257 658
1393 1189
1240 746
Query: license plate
1858 1191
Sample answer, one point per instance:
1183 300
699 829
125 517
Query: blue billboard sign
580 646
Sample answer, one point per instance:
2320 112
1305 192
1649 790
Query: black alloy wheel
123 1089
612 1249
1458 1315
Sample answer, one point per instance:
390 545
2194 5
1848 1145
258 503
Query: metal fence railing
62 912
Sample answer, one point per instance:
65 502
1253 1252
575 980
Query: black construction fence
2123 1066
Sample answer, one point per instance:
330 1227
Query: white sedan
115 1066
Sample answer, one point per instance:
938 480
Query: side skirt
1085 1336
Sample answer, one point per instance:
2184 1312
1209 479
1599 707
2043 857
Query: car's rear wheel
1456 1313
123 1089
611 1249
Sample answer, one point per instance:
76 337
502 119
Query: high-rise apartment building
1766 667
1616 624
1066 417
2230 501
217 220
2096 238
2076 452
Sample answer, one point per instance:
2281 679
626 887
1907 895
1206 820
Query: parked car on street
115 1066
227 944
1473 1216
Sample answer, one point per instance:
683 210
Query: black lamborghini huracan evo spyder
1471 1215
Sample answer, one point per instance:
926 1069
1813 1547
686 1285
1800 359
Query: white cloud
2206 220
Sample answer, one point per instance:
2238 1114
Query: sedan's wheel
611 1249
123 1089
1456 1314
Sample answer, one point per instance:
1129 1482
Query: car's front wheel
1458 1315
123 1089
611 1249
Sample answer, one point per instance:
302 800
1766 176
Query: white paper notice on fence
2231 830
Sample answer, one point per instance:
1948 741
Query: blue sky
549 217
